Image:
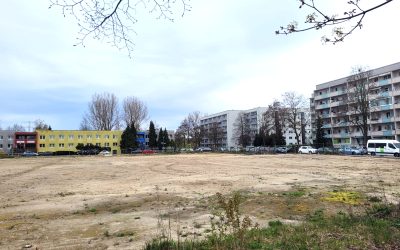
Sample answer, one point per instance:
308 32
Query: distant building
224 124
6 140
25 141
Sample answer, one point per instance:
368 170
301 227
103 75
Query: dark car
281 150
28 153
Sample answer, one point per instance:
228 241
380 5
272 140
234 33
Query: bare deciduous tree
190 128
135 112
274 122
319 19
242 130
359 92
215 134
103 113
294 105
16 127
113 20
41 125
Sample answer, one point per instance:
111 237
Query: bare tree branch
319 19
113 20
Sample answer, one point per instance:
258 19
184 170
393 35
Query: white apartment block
225 123
329 102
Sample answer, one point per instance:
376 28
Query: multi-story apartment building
330 102
219 128
6 140
67 140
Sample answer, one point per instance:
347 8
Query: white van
384 147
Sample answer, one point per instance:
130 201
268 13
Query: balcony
322 106
381 120
337 93
384 82
397 131
340 124
327 126
396 106
376 133
322 96
397 118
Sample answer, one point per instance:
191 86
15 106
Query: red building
25 141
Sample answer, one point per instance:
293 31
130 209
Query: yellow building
67 140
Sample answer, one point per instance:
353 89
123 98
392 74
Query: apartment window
106 144
70 145
51 145
89 136
51 137
106 136
8 145
80 136
386 77
1 145
290 137
9 137
97 136
61 145
98 144
42 145
71 136
42 137
115 144
387 114
61 137
114 136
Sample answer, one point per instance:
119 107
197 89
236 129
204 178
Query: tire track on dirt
18 174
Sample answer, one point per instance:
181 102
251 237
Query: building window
1 137
98 144
97 136
9 137
115 137
51 137
115 144
42 145
106 136
61 137
51 145
70 145
42 137
106 144
80 136
71 136
89 136
61 145
8 145
1 145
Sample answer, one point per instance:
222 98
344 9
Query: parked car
350 151
325 150
307 150
281 150
28 153
148 151
105 153
204 149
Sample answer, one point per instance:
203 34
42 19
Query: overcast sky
221 55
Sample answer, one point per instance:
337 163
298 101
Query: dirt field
117 202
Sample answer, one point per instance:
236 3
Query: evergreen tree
166 138
160 139
320 140
152 136
128 139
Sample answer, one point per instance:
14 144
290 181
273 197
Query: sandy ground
119 202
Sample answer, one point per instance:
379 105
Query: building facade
219 129
7 141
330 102
67 140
